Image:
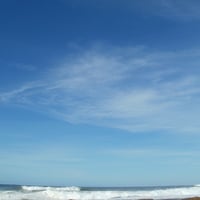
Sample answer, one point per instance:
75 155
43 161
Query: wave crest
46 188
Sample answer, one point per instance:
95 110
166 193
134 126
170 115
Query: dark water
10 187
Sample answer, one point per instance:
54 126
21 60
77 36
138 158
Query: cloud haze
135 89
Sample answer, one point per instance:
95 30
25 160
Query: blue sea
19 192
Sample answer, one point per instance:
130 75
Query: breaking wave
77 193
46 188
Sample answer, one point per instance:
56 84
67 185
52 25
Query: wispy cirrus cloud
135 89
172 9
182 9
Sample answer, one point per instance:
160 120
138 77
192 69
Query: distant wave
197 185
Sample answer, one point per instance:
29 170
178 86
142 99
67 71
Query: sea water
17 192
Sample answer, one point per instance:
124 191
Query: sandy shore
191 198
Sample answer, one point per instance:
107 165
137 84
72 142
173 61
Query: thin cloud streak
184 10
44 155
151 153
128 88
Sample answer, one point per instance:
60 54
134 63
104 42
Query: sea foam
45 188
77 193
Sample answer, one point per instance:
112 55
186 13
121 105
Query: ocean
18 192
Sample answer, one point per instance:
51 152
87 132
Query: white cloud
128 88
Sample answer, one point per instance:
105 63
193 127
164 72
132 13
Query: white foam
44 188
33 188
66 193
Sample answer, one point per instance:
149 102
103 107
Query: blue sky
99 93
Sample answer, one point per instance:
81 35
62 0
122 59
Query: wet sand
192 198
